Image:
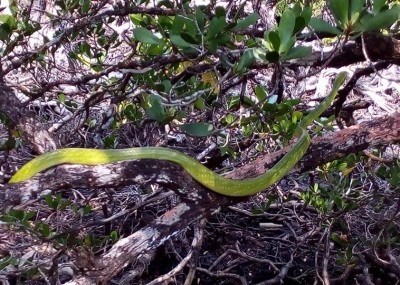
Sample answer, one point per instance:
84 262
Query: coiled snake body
202 174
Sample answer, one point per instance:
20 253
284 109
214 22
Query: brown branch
378 132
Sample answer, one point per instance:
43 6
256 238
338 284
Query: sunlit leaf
382 20
340 10
274 39
246 22
285 29
145 36
377 5
297 52
245 60
156 110
180 42
261 93
200 18
216 26
320 25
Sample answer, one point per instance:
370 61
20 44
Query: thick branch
380 131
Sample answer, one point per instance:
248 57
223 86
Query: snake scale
202 174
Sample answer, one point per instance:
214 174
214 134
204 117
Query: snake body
202 174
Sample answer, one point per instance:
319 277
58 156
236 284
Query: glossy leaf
272 56
188 38
382 20
306 14
290 43
8 20
340 10
299 25
156 110
198 129
285 29
145 36
261 93
245 60
180 42
220 12
297 9
297 52
320 25
274 39
377 5
216 26
356 6
246 22
177 25
200 18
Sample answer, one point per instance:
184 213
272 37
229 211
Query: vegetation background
226 82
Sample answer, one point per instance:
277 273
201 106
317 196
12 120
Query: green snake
200 173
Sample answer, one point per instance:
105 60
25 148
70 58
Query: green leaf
85 5
114 236
177 25
199 129
216 26
296 116
223 39
382 20
299 25
377 5
340 10
297 9
220 12
9 20
272 56
246 22
284 48
145 36
274 39
200 18
212 45
297 52
200 104
245 60
180 42
156 110
43 229
5 32
306 14
261 93
320 25
285 29
110 141
356 6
